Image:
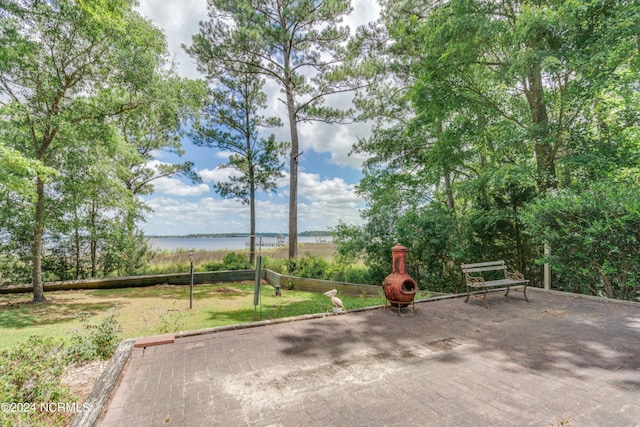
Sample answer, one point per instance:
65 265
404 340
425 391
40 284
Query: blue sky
327 174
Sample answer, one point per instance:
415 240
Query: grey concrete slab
557 360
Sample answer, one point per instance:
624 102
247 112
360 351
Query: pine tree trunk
293 177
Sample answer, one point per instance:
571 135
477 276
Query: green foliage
18 171
279 265
354 274
13 269
95 341
236 261
309 266
594 235
315 267
432 235
104 103
231 261
483 107
125 252
171 320
31 371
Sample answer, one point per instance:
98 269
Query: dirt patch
225 290
81 377
260 387
556 313
443 344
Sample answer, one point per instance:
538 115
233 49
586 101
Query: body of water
217 243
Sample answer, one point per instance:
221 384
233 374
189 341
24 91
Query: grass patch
157 309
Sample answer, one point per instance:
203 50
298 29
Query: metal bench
510 278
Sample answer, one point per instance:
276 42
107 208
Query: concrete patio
558 360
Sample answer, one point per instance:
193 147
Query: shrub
309 266
594 236
95 341
278 265
31 370
30 374
231 261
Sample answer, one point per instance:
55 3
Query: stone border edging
104 386
256 324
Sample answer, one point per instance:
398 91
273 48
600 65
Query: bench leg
524 291
486 291
468 294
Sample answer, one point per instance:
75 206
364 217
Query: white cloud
218 174
334 190
223 155
179 21
323 204
338 140
364 11
175 187
208 215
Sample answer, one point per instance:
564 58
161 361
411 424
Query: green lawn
158 309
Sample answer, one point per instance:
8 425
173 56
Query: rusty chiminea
399 288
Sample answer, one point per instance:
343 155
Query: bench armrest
471 280
516 275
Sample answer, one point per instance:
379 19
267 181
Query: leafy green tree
537 67
296 43
63 63
97 206
90 197
157 124
593 235
434 257
17 171
504 101
231 124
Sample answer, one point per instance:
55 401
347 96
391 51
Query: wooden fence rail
298 283
317 285
136 281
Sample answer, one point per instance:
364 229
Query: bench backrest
483 266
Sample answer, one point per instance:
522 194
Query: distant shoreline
231 241
226 235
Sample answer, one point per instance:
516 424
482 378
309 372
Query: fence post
256 289
547 268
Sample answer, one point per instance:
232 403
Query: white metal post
547 268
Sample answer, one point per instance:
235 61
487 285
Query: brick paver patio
558 360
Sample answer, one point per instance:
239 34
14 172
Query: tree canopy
493 108
68 72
